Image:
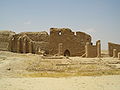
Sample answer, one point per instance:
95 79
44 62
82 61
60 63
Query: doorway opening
67 53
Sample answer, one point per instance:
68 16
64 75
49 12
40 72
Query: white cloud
27 22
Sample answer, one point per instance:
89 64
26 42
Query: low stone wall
113 49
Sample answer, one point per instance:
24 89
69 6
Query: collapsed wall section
4 39
37 36
40 47
92 51
61 41
113 49
29 42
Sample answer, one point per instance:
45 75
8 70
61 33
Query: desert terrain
37 72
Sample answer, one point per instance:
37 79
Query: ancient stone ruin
29 42
65 42
114 50
5 37
93 50
60 41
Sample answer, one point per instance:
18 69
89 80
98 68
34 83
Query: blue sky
99 18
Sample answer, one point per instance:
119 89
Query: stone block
114 53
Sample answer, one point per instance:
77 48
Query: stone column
30 47
12 44
18 45
98 49
87 49
114 53
60 49
24 46
119 55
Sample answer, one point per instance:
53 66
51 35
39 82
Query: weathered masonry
65 42
93 50
4 39
113 49
60 41
29 42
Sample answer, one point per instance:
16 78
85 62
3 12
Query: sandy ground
73 83
23 72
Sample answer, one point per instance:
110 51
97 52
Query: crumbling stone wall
29 42
41 47
37 36
61 41
20 43
4 39
93 50
65 42
113 49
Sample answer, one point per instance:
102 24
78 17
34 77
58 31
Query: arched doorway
67 53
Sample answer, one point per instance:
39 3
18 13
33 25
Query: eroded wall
37 36
4 39
61 41
74 43
111 47
30 42
92 51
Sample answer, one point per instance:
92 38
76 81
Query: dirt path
70 83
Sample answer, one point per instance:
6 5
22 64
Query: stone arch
66 52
